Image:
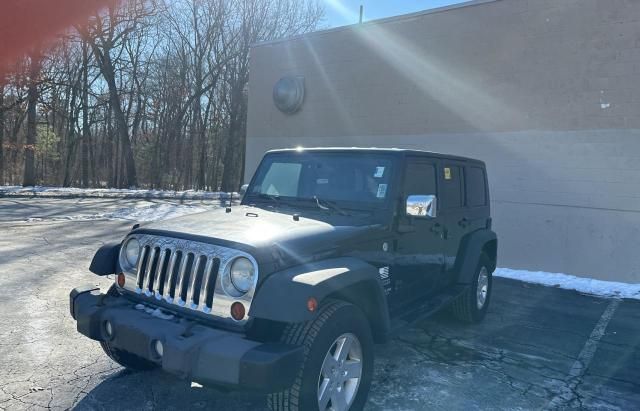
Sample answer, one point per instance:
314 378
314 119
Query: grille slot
150 272
180 277
142 267
210 284
165 257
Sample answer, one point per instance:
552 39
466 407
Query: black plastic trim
105 260
192 351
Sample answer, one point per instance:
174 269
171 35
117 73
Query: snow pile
42 191
569 282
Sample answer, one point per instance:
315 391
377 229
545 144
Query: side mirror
422 206
243 190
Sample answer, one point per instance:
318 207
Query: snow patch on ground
139 214
153 212
43 191
570 282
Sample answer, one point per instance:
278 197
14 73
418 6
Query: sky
343 12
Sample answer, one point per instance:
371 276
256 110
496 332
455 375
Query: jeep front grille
185 273
183 277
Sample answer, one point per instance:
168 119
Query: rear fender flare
471 246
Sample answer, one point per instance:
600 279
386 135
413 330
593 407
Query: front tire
472 305
337 368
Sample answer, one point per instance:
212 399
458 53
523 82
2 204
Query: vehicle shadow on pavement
156 390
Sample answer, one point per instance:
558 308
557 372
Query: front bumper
192 351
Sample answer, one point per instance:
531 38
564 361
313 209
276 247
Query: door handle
463 222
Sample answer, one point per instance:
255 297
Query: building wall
546 92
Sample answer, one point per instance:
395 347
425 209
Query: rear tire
472 305
338 324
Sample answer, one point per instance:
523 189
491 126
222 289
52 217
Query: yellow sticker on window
447 173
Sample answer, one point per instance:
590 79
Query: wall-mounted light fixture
288 94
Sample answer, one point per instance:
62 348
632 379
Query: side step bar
420 310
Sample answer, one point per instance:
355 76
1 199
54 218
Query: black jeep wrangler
329 250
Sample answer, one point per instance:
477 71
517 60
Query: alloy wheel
340 374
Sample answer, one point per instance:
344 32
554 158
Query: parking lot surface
538 348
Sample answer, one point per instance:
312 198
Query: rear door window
476 192
451 189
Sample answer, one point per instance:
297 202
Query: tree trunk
131 179
122 130
71 138
233 157
1 131
32 102
85 116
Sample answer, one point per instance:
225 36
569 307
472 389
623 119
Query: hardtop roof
395 151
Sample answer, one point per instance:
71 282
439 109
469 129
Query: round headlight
132 252
242 274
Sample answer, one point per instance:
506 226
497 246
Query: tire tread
303 334
464 307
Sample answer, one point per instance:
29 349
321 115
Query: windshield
347 178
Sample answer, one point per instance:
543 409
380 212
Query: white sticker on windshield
379 172
322 181
382 190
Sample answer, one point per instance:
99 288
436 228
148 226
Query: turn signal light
312 304
121 280
237 311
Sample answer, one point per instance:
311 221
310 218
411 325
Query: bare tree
260 20
147 93
106 37
29 178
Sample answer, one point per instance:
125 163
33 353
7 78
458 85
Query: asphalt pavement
538 348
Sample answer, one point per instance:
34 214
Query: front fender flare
283 295
105 261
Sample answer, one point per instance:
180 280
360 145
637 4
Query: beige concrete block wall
546 92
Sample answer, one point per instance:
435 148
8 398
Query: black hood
275 239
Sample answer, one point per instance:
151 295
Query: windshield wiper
274 198
327 205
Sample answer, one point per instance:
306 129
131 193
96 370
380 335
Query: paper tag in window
382 190
447 173
379 172
322 181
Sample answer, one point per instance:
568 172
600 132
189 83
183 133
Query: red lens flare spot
237 311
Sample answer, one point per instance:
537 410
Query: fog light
121 280
158 348
237 311
108 329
